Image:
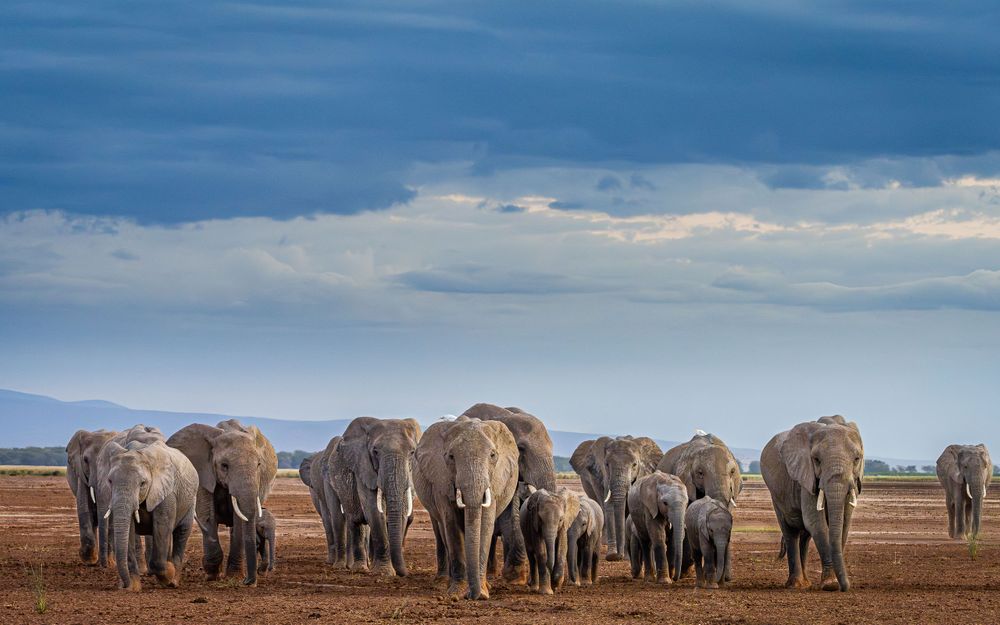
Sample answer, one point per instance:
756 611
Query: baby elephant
584 537
545 521
266 527
657 503
709 525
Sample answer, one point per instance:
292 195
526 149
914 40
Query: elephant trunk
677 540
475 559
550 550
721 546
619 491
396 487
977 488
247 503
836 500
122 511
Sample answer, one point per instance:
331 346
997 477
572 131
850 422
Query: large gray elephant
371 472
536 469
965 472
607 468
708 469
465 473
81 473
153 492
814 472
315 473
657 504
236 467
545 520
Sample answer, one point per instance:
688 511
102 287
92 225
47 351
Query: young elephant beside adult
964 471
371 472
657 503
608 467
465 473
584 542
708 469
81 473
267 529
536 469
709 526
236 467
814 473
315 473
545 520
153 491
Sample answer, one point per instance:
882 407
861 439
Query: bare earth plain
903 568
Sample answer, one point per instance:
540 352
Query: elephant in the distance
608 467
371 472
81 473
236 467
964 472
536 470
465 473
814 473
315 473
545 520
657 503
153 492
708 469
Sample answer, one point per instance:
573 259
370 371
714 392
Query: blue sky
632 216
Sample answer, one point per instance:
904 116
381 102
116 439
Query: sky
632 217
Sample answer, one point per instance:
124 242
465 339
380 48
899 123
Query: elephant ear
507 466
647 493
268 461
987 461
650 453
947 464
195 441
684 467
412 429
304 473
668 464
353 451
161 473
796 453
571 505
579 458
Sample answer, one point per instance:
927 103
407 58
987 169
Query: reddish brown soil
903 568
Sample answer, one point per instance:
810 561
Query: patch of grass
9 469
36 579
756 530
288 472
973 543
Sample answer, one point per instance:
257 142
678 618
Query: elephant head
535 464
626 459
709 468
236 466
826 459
966 470
379 452
662 498
81 473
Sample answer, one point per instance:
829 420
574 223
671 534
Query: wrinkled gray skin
81 473
708 469
709 525
153 490
814 473
234 463
584 542
315 473
545 520
471 458
374 459
608 467
964 472
142 434
657 503
267 528
535 469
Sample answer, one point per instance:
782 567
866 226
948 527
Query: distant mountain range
39 421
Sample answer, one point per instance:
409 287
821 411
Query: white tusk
236 509
378 501
732 501
984 492
108 513
821 500
92 496
967 490
458 498
607 497
409 501
137 516
342 508
854 499
260 509
531 489
488 498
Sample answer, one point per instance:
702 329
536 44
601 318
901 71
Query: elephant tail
782 551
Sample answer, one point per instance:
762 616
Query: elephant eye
493 455
225 466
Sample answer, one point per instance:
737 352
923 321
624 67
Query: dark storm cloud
191 110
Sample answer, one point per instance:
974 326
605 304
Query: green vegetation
29 470
33 456
972 541
562 464
37 581
292 459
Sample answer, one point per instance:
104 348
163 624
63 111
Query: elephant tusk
260 509
342 508
92 496
458 498
378 501
968 491
107 514
821 501
487 498
607 497
732 501
531 489
236 509
984 492
409 501
137 516
853 501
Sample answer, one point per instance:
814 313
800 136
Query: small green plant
972 542
36 578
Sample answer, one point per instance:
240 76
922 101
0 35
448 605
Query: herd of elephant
483 477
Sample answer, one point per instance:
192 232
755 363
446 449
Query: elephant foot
545 590
687 572
712 586
135 584
613 556
798 583
517 575
110 562
663 578
358 566
88 556
382 569
829 582
169 577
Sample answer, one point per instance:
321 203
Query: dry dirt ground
903 568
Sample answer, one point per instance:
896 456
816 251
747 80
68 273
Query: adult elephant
708 469
315 473
81 473
371 472
536 470
964 471
814 473
608 467
236 466
465 473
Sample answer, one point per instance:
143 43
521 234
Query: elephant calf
709 525
657 503
584 539
266 529
545 521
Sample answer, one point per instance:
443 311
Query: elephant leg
454 535
967 508
595 559
562 547
647 560
356 543
491 565
699 573
803 552
327 517
635 556
513 544
159 545
378 537
707 549
950 505
181 534
339 524
234 564
819 530
212 556
544 574
440 550
791 540
532 566
149 553
142 561
660 556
